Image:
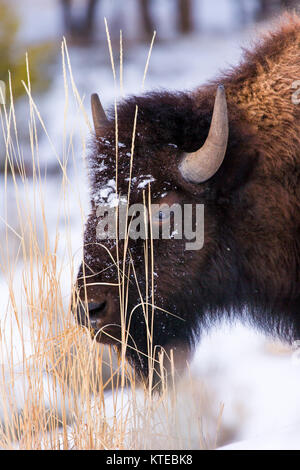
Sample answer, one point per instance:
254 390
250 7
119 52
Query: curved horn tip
95 100
99 116
221 93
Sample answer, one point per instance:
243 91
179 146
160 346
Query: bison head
157 294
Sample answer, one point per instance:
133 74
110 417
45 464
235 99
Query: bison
232 145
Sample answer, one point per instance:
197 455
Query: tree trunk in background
148 25
185 22
265 9
80 29
67 19
90 17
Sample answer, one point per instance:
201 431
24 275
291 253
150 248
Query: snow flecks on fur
145 180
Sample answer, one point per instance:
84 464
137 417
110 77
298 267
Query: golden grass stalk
58 388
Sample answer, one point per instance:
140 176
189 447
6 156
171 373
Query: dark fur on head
250 263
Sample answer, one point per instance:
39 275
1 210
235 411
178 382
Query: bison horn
99 116
201 165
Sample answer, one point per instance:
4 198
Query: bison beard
249 266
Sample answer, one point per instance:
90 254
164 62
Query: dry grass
59 388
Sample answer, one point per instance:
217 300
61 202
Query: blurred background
195 40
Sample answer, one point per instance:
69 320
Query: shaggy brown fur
250 263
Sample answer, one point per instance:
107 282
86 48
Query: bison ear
99 117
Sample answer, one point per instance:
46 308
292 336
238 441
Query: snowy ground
257 381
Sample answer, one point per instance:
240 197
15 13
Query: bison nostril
92 313
96 309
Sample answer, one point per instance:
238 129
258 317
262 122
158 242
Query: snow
101 167
106 190
286 438
258 380
144 183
